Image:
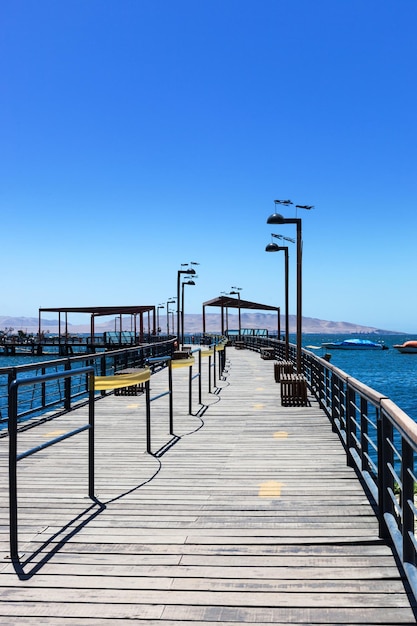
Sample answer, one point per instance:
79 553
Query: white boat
355 344
407 347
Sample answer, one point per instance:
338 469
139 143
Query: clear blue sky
138 135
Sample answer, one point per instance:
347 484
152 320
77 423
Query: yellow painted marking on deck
260 388
281 434
258 407
133 406
54 433
270 489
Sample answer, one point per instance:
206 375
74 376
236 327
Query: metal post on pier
277 218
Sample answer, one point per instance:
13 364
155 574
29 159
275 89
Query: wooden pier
252 517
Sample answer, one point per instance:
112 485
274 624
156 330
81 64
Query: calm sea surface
387 371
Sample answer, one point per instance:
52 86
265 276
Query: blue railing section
61 394
380 441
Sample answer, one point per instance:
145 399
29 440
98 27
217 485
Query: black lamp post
273 247
236 292
160 306
277 218
187 282
190 271
171 301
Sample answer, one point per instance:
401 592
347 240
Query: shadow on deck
252 517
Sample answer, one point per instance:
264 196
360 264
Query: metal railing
15 387
380 441
61 394
57 385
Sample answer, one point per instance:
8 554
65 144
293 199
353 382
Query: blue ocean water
387 371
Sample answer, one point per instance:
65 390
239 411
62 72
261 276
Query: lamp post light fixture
190 271
187 282
273 247
236 292
277 218
170 301
160 306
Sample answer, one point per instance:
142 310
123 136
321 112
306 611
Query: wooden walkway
252 517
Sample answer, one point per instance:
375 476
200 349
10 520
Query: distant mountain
26 323
193 323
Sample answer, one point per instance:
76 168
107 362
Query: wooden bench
132 390
282 367
239 345
181 354
293 390
268 353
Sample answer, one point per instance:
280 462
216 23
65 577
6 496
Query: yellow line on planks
54 433
280 434
270 489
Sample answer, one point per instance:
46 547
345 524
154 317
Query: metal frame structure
224 302
101 311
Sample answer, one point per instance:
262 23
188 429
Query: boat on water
355 344
407 347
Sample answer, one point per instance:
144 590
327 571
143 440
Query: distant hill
194 323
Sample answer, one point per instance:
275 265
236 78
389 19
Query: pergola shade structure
101 311
227 302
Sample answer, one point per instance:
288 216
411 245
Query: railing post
103 370
199 376
91 437
12 426
350 427
148 417
43 389
385 478
364 435
214 365
171 400
67 387
190 390
334 399
407 472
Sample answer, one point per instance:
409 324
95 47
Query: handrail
97 362
14 457
174 438
39 398
380 441
190 382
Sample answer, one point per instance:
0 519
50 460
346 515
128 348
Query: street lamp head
276 218
272 247
189 282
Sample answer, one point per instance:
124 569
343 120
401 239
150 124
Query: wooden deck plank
251 517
